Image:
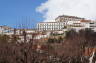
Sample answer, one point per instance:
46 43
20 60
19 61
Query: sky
28 13
16 12
80 8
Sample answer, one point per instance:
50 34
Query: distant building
60 23
77 25
6 30
66 22
66 18
29 34
50 26
93 25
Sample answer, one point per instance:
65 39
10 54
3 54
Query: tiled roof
85 20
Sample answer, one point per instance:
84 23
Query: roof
26 29
87 21
49 22
6 27
70 16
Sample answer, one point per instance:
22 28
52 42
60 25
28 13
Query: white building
50 26
60 23
68 22
66 18
6 30
74 25
93 25
82 24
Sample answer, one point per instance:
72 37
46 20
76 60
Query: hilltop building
66 18
60 23
66 22
6 30
50 26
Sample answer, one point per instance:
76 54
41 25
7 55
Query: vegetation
4 38
62 50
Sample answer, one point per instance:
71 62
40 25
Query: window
91 23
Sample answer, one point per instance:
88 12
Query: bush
4 38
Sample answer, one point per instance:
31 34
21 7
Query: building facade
68 22
6 30
60 23
66 18
50 26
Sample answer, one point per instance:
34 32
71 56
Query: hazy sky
82 8
15 12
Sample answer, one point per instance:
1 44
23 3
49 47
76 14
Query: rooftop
48 22
70 16
86 21
6 27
